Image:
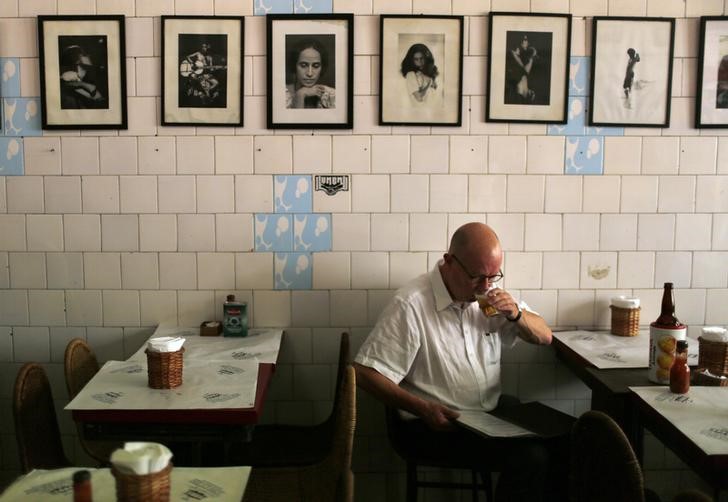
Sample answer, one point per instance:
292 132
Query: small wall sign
331 184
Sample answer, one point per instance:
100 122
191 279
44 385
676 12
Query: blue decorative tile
579 76
313 6
293 271
293 194
263 7
10 81
604 131
576 120
584 155
312 232
11 156
21 117
273 232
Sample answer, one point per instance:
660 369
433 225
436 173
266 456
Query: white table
219 484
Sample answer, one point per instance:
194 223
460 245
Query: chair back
36 426
344 361
604 467
80 365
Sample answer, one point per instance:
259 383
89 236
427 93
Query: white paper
490 425
604 350
261 345
701 414
123 385
139 457
219 484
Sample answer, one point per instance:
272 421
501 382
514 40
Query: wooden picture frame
631 76
420 70
528 67
711 103
310 70
202 70
82 72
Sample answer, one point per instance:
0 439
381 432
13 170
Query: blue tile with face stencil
313 6
584 155
10 80
579 76
293 271
263 7
21 117
312 232
11 157
273 232
576 119
293 194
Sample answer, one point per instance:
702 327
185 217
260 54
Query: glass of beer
484 303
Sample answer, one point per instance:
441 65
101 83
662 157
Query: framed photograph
711 104
420 70
82 72
528 67
310 70
202 70
631 71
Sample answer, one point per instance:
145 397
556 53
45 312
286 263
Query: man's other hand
439 417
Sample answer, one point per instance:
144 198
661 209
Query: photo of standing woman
420 73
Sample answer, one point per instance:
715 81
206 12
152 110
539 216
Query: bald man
433 352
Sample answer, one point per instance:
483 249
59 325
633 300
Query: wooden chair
329 480
36 426
80 365
278 445
414 460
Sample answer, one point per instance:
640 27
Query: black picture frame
82 72
203 70
711 102
622 93
528 67
325 97
427 97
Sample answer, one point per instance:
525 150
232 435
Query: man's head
473 261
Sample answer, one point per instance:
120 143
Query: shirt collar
442 295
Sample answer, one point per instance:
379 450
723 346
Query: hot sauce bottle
665 332
680 371
82 491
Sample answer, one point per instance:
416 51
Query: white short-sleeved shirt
439 349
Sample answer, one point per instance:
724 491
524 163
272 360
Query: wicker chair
409 453
36 426
279 445
80 365
329 480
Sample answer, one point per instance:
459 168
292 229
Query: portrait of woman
420 73
308 66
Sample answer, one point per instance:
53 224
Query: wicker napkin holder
712 356
154 487
164 369
625 321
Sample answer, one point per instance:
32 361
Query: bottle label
235 320
662 352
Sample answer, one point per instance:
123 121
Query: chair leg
411 482
488 484
474 477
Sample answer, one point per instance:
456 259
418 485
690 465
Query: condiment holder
625 316
712 356
165 362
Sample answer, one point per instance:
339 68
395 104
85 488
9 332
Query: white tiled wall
108 234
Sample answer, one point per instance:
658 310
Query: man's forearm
387 391
534 329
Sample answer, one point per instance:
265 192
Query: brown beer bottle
664 335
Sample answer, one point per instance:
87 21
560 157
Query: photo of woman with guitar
202 72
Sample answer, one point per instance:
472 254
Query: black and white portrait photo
423 84
631 74
83 72
711 104
202 71
310 70
528 68
420 70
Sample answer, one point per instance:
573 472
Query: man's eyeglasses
477 279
